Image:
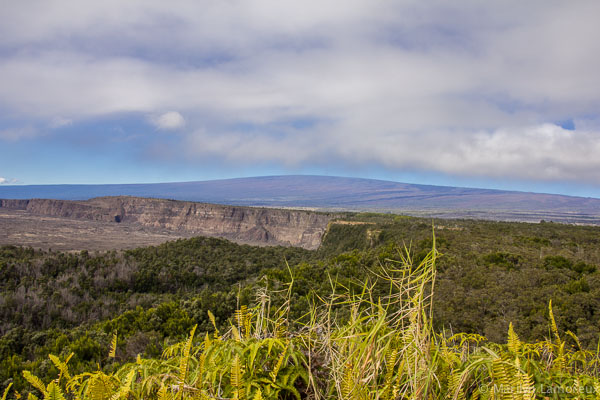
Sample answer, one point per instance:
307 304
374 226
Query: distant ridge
338 193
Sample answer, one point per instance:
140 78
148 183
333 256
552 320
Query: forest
482 282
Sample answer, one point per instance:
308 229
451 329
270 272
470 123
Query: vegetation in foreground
349 345
491 274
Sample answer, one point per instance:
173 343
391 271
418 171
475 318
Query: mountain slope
343 194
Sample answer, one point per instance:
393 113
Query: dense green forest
489 274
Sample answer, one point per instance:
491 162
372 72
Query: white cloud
7 181
169 121
466 88
59 122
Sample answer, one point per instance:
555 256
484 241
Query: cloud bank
463 88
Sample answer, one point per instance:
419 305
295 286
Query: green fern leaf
455 388
514 344
236 333
214 323
237 380
6 391
100 387
389 373
347 384
185 357
553 323
163 393
35 382
113 346
125 387
62 366
53 392
278 365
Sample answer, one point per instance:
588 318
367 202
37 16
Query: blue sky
480 94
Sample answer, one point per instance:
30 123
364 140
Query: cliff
242 224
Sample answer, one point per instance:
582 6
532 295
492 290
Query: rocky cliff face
14 204
244 224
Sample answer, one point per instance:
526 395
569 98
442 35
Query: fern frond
575 338
185 357
553 324
280 326
62 366
389 374
6 391
207 342
514 344
526 386
241 316
501 377
236 333
248 324
125 387
53 392
237 379
163 393
35 382
560 361
278 365
113 346
214 323
455 387
100 386
347 384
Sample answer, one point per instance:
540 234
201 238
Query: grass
350 345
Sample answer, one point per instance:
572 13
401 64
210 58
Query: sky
502 94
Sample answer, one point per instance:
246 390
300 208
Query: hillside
323 192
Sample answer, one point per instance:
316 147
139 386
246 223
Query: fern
53 392
62 366
113 346
243 318
163 393
99 386
6 391
125 386
389 375
214 323
347 384
514 344
553 325
455 387
237 379
35 382
278 365
236 333
185 357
